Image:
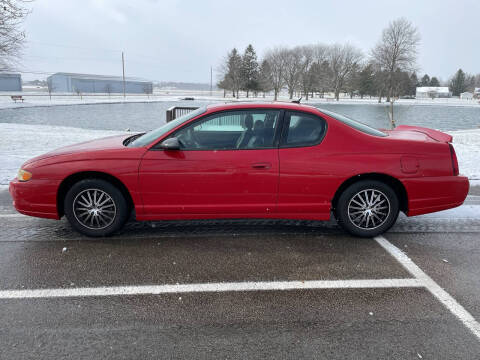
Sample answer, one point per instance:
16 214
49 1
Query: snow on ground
41 98
467 148
20 142
42 101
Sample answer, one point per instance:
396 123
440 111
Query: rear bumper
35 198
430 194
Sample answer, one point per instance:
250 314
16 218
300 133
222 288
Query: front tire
95 207
367 208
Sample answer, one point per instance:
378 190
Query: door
304 169
227 165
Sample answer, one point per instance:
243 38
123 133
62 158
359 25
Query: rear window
354 124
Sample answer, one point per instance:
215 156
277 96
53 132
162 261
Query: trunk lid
433 134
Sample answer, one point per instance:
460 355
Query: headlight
24 175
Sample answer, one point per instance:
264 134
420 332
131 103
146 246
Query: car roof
267 104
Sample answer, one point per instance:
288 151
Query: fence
230 118
177 111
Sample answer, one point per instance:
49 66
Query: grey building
87 83
10 82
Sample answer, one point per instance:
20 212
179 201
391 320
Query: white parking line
444 297
421 279
209 287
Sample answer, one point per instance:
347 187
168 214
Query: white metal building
88 83
466 95
428 92
10 82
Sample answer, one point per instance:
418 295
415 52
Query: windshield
354 123
150 136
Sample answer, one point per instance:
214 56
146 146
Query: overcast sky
179 40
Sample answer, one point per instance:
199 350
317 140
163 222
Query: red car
268 160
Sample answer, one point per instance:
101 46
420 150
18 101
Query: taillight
454 159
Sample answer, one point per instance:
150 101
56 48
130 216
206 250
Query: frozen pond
433 116
146 116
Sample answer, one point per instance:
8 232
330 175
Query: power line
68 58
73 46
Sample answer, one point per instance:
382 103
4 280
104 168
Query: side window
302 129
229 130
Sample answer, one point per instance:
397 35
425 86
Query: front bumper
431 194
35 197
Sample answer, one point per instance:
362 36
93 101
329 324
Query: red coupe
268 160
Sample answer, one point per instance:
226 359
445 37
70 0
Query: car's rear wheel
95 207
367 208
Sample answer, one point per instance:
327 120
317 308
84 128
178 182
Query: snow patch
467 148
20 142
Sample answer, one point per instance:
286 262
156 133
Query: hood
108 143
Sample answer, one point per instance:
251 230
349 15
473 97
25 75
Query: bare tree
108 89
311 69
276 59
78 92
148 89
223 82
396 50
306 78
50 87
293 66
343 60
12 13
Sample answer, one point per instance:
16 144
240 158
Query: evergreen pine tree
434 81
457 84
425 80
249 70
366 81
413 84
234 68
265 80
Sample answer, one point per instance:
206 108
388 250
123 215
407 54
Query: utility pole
123 71
211 80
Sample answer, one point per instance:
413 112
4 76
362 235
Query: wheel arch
68 182
393 182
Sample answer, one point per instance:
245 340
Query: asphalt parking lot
241 289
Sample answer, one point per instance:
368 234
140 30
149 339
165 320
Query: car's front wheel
95 207
367 208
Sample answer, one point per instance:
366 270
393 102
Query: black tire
364 218
105 219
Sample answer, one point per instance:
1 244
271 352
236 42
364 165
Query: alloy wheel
94 209
368 209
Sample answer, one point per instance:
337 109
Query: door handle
264 165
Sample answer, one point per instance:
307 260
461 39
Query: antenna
297 101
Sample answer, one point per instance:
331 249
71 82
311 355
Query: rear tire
367 208
95 207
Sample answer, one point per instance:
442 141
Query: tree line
388 70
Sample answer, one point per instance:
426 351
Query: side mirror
170 144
